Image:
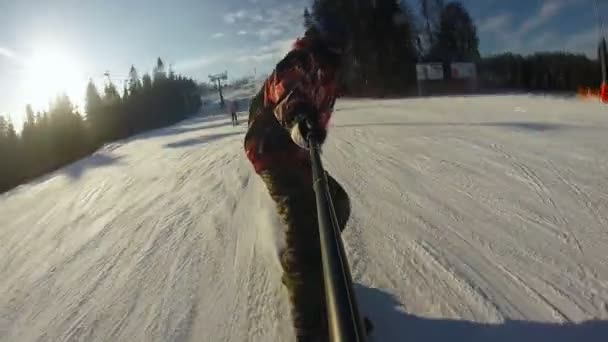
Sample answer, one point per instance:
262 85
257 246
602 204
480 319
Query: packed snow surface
474 219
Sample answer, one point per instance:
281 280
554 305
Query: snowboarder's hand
304 126
299 117
299 135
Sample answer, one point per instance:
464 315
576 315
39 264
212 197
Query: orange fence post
604 92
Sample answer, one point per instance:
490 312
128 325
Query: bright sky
51 46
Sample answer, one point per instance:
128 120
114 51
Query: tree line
62 134
387 38
556 71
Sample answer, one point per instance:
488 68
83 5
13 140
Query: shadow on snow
521 126
201 140
193 124
391 323
94 161
189 125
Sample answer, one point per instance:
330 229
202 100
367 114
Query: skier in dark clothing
234 107
302 88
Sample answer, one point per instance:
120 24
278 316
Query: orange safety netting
588 93
604 92
595 94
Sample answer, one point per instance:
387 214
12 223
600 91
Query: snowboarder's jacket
303 85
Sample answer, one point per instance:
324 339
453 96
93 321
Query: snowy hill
474 219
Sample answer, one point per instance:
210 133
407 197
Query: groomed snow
474 219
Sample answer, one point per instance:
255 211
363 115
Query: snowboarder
303 87
233 106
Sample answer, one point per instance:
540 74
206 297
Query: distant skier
233 106
303 87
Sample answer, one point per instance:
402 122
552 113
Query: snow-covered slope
474 219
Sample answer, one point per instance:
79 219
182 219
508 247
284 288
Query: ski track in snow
473 220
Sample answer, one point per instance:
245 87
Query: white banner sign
429 71
463 70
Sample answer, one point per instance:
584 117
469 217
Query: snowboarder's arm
292 88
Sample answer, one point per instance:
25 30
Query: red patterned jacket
304 83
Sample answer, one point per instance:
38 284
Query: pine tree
110 94
396 40
457 39
159 71
67 132
11 134
10 172
3 125
431 14
30 121
125 93
93 102
14 151
4 157
308 20
134 82
171 74
96 114
146 81
382 40
29 144
29 114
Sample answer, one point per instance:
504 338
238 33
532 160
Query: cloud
531 35
232 17
239 54
270 52
494 24
243 15
280 46
271 22
268 22
548 11
195 63
268 32
6 52
13 58
583 41
545 39
255 58
217 35
551 7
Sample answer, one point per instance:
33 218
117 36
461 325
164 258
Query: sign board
429 71
463 70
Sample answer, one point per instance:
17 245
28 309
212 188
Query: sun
49 72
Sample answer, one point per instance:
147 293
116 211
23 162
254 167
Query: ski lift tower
217 79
